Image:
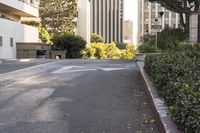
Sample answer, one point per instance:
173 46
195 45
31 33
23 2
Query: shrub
129 52
111 51
107 51
71 43
96 38
176 76
170 39
148 47
121 45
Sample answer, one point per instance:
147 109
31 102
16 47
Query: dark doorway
41 54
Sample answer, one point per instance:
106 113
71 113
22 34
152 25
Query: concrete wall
22 8
19 33
61 54
29 50
193 31
83 25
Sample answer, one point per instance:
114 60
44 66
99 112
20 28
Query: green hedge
177 78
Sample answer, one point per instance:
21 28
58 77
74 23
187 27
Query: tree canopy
69 42
58 15
44 36
183 7
180 6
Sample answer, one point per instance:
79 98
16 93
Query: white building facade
12 14
83 20
194 31
148 12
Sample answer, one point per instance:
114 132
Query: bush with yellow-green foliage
129 52
107 51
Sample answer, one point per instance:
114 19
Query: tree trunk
185 23
182 22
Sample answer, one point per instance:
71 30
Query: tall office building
83 20
107 19
148 12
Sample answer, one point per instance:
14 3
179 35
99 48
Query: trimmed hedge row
177 78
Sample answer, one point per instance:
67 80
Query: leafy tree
183 7
69 42
58 15
44 36
96 38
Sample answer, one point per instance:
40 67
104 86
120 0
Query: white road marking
82 70
24 69
64 69
112 69
69 69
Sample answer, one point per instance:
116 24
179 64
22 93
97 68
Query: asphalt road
75 96
13 65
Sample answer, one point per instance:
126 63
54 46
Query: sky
131 13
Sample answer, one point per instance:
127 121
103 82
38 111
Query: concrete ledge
166 125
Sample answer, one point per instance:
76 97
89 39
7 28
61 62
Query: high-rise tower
107 19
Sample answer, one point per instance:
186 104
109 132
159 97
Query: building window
11 42
1 41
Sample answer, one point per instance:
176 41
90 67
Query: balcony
22 8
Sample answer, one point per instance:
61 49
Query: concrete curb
166 125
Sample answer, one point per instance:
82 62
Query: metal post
156 23
156 41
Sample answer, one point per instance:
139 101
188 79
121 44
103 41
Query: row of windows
11 41
103 23
31 2
165 15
